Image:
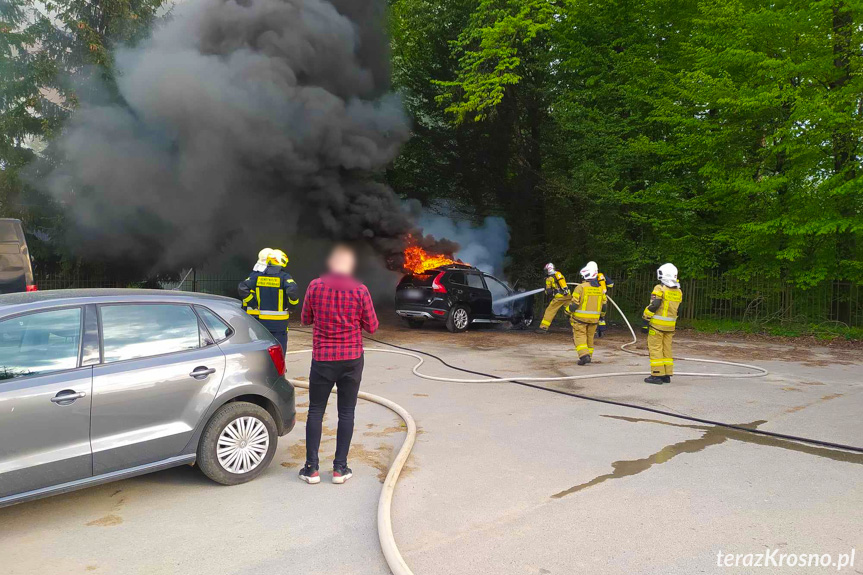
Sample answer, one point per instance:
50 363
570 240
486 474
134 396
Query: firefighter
660 317
605 283
586 311
270 293
558 291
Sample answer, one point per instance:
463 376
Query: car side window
40 342
474 281
457 278
497 289
216 326
131 331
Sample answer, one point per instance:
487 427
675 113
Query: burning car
439 288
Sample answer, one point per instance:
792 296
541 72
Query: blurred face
342 260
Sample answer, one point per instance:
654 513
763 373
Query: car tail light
437 287
277 354
439 312
32 288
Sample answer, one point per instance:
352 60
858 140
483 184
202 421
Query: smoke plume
239 122
484 245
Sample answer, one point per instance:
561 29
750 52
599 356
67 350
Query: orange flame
418 260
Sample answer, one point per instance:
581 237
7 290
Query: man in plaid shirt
339 307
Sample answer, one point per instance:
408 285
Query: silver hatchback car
101 385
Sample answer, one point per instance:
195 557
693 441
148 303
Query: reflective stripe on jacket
557 284
663 308
588 303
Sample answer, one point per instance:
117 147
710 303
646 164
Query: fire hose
394 559
385 522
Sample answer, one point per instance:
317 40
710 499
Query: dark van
16 271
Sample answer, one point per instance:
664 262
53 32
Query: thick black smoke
240 124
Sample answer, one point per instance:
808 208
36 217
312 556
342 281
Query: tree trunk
844 152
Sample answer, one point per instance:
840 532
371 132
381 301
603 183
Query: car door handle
202 372
67 396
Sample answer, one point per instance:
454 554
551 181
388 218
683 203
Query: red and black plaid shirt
340 308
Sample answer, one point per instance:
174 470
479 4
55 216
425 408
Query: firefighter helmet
549 269
667 274
263 255
278 258
590 271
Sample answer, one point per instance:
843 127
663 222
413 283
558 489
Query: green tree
46 48
772 122
474 75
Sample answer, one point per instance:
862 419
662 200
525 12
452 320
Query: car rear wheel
458 320
238 443
524 323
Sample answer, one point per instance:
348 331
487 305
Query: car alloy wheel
242 445
459 318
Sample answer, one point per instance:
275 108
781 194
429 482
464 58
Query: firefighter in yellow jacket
587 308
270 292
660 317
556 287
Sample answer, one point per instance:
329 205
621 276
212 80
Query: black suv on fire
459 295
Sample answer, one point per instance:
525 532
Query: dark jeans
282 337
346 376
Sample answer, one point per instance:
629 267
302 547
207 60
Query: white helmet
263 255
667 274
590 271
549 269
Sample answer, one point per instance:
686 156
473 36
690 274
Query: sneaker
310 475
341 474
657 380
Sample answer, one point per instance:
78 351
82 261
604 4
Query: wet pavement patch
107 521
712 435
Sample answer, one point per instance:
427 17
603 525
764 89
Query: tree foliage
718 134
46 50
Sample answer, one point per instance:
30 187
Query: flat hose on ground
385 523
385 529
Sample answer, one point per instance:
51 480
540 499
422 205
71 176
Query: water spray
514 297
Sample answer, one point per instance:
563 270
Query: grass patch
822 331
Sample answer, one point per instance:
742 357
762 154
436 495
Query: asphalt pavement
505 479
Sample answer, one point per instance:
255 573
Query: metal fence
721 297
192 281
217 284
53 281
717 297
